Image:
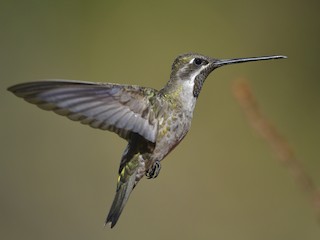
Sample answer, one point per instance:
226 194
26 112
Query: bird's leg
154 171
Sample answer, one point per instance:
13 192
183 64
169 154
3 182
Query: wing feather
122 109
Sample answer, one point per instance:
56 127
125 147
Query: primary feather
123 109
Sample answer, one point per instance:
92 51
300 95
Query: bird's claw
154 171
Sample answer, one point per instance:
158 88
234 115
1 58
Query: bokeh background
58 177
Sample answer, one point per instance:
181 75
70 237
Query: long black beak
223 62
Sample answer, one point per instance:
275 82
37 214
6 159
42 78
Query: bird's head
193 69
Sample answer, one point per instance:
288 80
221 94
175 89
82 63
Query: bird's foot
154 171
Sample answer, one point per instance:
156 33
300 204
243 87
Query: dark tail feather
120 200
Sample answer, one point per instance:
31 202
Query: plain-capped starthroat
153 121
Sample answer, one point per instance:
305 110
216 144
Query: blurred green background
58 177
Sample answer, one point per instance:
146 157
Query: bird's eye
197 61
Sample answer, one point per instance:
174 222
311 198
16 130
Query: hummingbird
153 122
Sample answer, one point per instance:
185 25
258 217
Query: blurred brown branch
278 144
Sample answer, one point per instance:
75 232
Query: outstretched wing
122 109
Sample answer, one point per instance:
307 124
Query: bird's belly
170 135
